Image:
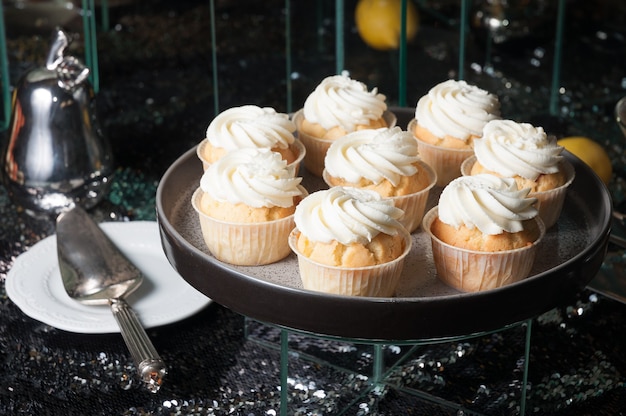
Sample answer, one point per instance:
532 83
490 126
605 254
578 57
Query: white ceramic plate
34 284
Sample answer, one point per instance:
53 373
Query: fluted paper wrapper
445 161
549 203
413 204
474 271
373 281
316 148
200 152
245 244
297 146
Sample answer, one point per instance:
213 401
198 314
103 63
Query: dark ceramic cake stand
423 309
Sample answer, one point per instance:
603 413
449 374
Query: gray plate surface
424 308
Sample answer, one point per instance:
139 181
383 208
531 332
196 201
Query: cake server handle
150 366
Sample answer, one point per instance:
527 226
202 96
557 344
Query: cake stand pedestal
381 373
424 310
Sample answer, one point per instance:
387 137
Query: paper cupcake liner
445 161
301 149
297 146
472 270
244 244
200 150
414 204
549 203
373 281
317 148
466 166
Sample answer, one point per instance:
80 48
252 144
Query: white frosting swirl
347 215
375 154
251 126
341 101
457 109
255 177
488 202
510 149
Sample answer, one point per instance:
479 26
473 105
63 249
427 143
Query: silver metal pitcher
55 155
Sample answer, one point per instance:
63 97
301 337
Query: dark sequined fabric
155 102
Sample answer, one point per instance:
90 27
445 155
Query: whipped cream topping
251 126
510 148
487 202
375 154
347 215
457 109
341 101
255 177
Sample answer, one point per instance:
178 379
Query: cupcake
384 160
348 242
245 203
446 122
250 126
524 152
484 233
339 105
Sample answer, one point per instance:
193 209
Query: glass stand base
470 375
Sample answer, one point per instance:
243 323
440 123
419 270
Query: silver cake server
95 272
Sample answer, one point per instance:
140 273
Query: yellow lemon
378 22
590 152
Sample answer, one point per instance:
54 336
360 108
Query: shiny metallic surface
56 154
92 267
95 272
620 114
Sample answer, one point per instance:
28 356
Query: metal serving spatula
95 272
